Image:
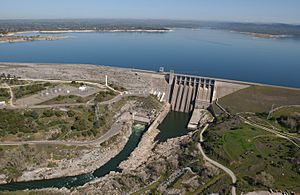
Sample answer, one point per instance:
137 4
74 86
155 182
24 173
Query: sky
270 11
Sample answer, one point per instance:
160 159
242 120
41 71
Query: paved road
227 170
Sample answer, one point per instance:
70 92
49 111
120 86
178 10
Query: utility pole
270 112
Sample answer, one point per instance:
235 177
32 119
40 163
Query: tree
48 113
71 113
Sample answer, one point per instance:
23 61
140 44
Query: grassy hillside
260 159
259 99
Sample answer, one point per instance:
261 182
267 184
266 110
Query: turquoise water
203 52
73 181
174 125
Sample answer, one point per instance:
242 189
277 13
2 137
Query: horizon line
166 19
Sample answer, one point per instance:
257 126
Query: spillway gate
189 92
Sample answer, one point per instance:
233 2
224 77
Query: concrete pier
184 96
179 95
189 96
174 94
194 95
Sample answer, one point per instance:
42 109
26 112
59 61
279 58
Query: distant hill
112 24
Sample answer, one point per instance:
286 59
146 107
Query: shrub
71 113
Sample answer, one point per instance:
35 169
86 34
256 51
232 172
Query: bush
30 89
58 113
48 113
12 122
33 114
71 113
264 179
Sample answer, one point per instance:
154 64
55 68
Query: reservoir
174 125
205 52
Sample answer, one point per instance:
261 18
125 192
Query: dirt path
286 136
6 86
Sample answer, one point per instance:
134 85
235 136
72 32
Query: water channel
174 125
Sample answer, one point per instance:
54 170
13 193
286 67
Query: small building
161 69
82 88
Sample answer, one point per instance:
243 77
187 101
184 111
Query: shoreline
264 35
17 39
87 31
17 65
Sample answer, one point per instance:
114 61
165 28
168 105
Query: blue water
204 52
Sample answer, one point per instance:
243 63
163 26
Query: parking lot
54 92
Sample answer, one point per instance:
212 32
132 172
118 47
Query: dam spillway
189 92
194 94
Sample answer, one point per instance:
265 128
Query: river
174 125
73 181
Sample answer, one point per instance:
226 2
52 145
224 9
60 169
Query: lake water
213 53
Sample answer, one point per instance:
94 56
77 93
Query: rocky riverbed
86 160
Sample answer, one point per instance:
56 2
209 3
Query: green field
259 159
289 111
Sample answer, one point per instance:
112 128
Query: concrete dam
187 93
194 94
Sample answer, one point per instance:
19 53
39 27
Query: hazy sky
287 11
